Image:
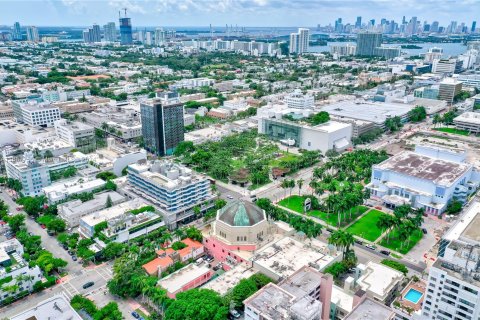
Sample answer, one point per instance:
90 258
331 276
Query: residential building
72 211
229 279
162 124
187 278
167 257
469 80
468 121
126 37
453 290
387 52
120 224
55 307
60 191
323 137
299 42
192 83
122 123
173 188
15 271
433 54
78 134
448 89
32 34
379 282
343 49
367 42
17 32
110 32
298 100
36 174
305 295
427 178
35 114
371 310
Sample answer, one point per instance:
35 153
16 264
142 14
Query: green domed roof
241 219
241 214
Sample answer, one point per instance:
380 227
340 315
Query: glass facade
281 130
126 31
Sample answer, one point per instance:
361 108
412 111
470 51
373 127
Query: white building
193 83
62 190
379 281
173 188
453 290
56 307
235 105
469 121
121 224
299 42
322 137
298 100
36 174
72 211
427 178
449 66
78 134
35 114
14 270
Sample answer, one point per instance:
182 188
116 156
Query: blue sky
240 12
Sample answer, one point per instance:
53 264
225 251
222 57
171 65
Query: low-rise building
15 272
323 137
427 178
34 113
189 277
172 187
60 191
298 100
379 281
167 257
36 174
371 310
56 307
78 134
468 121
72 211
120 223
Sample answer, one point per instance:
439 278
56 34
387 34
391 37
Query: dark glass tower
367 42
125 30
162 124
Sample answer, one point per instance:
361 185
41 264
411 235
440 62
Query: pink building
239 229
187 278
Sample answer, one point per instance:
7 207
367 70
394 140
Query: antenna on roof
125 9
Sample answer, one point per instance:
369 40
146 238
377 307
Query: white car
230 196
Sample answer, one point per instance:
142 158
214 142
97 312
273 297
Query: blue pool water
413 295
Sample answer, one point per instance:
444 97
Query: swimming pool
413 295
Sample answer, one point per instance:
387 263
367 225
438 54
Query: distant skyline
255 13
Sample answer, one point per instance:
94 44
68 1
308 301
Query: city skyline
252 13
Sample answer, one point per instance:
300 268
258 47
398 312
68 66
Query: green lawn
453 130
286 157
366 226
332 219
295 203
396 245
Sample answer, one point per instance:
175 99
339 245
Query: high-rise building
448 89
126 37
358 23
141 36
96 34
474 26
110 32
32 34
17 32
160 36
162 123
299 42
148 38
367 42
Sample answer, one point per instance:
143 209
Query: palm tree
342 239
285 185
300 185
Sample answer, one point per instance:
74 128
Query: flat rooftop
229 279
342 299
56 307
469 117
113 212
379 279
438 171
471 221
302 282
272 301
175 281
371 310
288 255
76 207
376 112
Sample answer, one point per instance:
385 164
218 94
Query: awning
341 143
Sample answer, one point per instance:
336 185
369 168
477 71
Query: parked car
234 314
74 258
424 231
385 252
199 261
359 242
50 233
88 284
135 315
70 252
230 196
43 226
209 258
217 267
370 246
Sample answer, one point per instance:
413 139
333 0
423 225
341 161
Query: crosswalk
105 272
69 290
